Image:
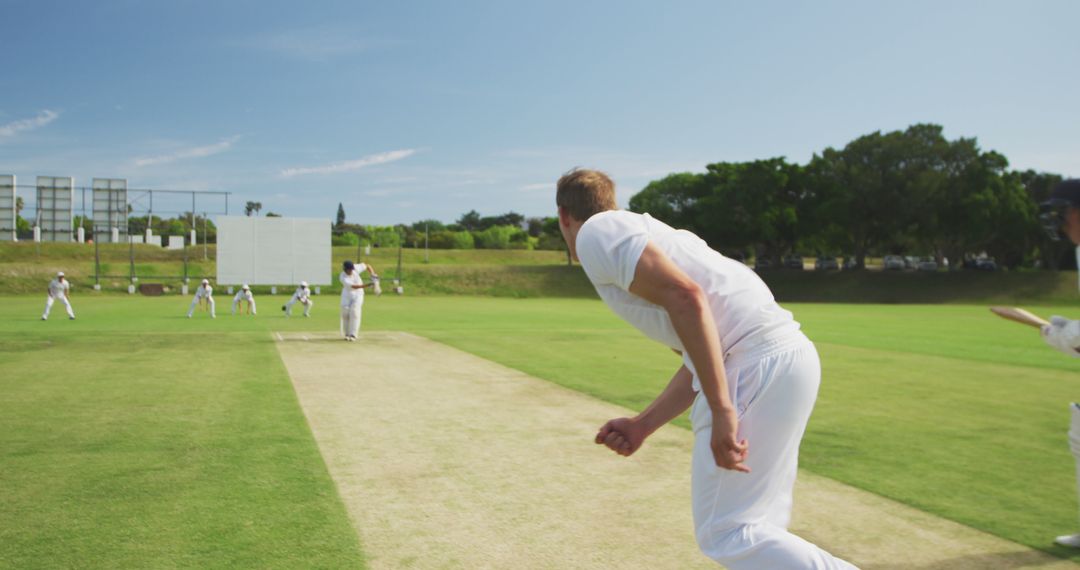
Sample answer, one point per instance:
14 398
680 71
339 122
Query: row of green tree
910 192
470 231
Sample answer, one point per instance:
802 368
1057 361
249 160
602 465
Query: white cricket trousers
292 301
1074 439
49 303
251 305
741 519
195 303
350 317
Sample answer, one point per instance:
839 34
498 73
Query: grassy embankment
27 267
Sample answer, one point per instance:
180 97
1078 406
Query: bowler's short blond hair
582 193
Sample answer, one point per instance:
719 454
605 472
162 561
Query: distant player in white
352 296
1061 215
748 371
58 291
244 295
205 293
302 296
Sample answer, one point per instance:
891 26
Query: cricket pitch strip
446 460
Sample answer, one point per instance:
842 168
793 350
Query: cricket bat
1020 315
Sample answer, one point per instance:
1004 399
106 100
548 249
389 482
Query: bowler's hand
622 435
727 451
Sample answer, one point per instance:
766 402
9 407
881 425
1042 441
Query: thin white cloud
194 152
349 165
538 187
11 129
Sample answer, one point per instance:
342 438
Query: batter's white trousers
350 318
292 301
741 519
49 303
1074 439
195 303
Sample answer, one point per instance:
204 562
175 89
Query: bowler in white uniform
352 296
748 372
203 294
302 296
1061 215
244 296
58 291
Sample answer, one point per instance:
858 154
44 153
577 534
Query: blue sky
411 110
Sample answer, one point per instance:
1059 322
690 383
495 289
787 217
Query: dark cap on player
1067 192
349 266
1064 196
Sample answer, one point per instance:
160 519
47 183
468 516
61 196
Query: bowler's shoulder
611 227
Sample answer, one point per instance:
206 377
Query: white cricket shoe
1069 540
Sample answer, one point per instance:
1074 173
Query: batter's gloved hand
1063 334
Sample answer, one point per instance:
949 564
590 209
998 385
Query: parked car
762 263
911 262
986 264
893 263
927 264
826 263
793 262
849 262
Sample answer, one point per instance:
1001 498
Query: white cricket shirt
57 288
301 294
348 294
748 320
242 295
203 292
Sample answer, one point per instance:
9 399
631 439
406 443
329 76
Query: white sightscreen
109 208
55 207
273 251
7 207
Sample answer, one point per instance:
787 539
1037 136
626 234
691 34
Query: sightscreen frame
110 208
55 207
8 213
273 251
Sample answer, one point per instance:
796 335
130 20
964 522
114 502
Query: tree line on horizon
905 192
909 192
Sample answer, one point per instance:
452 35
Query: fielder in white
58 291
1061 215
748 371
302 296
204 294
352 296
244 295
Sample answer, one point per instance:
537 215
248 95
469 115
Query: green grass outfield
134 437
